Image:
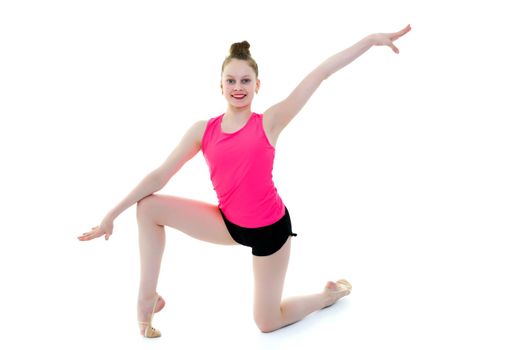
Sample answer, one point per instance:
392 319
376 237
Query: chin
238 104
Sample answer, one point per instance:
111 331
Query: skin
203 220
238 78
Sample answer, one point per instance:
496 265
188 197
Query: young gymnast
239 149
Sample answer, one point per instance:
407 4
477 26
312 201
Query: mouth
238 96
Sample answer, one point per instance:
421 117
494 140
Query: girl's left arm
283 112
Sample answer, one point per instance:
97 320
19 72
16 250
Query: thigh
197 219
269 274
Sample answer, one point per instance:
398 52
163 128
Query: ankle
146 298
328 299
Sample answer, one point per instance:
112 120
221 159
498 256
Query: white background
404 173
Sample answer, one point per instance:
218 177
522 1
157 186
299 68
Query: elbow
158 179
321 74
327 72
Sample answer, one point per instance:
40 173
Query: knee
145 205
266 324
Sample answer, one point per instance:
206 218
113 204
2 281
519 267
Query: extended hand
387 39
105 229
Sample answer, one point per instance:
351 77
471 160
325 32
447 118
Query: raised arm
188 147
280 114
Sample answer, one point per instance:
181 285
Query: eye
246 81
230 81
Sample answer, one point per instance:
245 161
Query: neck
238 113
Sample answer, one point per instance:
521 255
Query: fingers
94 233
86 237
394 48
386 41
397 35
405 30
402 32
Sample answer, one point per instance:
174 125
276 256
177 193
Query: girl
239 148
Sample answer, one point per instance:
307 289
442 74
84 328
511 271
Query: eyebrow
244 76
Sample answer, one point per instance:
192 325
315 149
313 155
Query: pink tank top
241 165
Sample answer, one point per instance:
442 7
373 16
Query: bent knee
145 205
267 325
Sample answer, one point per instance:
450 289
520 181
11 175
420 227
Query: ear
257 85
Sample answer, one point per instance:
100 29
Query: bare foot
144 311
336 290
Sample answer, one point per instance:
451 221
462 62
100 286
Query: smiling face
239 83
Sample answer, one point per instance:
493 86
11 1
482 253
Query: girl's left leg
272 313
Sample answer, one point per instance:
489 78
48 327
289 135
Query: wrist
371 39
110 216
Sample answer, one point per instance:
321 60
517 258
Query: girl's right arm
188 147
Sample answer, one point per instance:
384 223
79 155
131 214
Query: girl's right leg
198 219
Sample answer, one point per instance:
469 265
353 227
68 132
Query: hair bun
240 50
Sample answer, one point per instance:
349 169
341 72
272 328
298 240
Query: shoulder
200 124
198 129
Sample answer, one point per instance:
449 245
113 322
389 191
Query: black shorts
264 240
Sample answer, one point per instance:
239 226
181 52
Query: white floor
410 295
